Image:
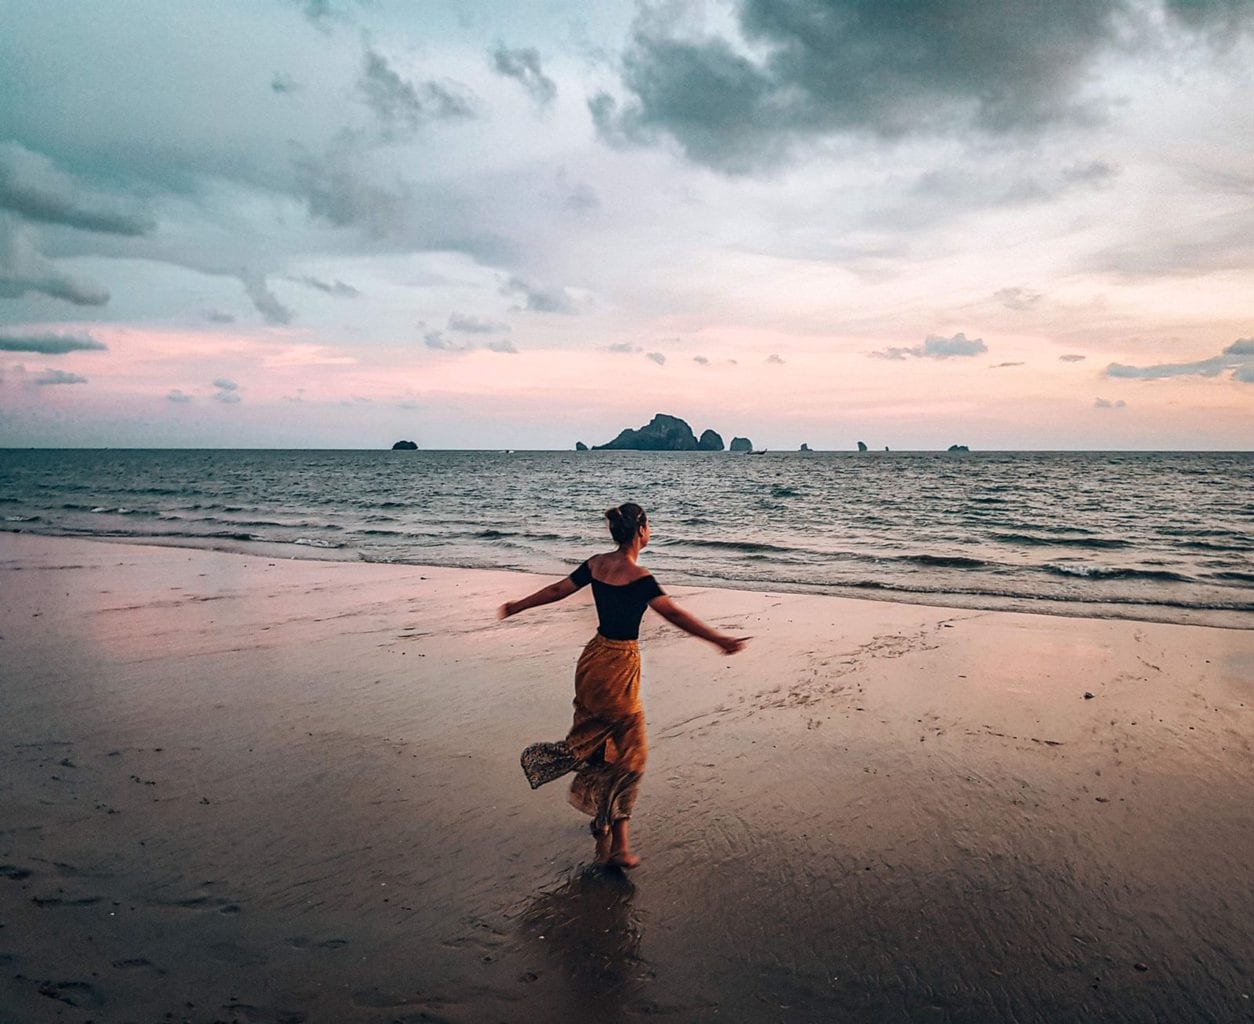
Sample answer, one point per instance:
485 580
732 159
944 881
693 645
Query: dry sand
245 789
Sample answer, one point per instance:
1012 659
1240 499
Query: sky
1010 224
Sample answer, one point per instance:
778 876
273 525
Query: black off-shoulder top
620 607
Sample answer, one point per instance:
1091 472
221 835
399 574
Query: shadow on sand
587 928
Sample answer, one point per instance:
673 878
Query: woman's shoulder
616 571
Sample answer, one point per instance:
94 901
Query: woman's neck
629 551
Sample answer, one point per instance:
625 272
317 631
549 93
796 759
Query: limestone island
663 433
958 448
405 446
741 444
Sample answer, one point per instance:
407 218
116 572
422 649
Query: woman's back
616 569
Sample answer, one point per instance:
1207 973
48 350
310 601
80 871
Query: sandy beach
242 788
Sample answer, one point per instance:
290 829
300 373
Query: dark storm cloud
336 287
49 344
539 299
475 325
831 66
335 190
936 347
24 269
35 189
52 377
1237 357
399 103
270 308
524 67
1213 14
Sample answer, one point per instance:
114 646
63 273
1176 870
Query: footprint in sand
72 993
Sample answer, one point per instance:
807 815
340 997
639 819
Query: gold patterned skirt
606 747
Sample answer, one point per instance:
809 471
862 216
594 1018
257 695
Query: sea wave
1062 540
1104 572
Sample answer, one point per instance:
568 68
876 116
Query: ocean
1142 535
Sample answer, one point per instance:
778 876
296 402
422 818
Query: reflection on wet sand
587 928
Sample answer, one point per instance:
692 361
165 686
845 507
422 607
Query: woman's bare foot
620 851
604 846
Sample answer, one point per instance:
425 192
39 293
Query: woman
606 746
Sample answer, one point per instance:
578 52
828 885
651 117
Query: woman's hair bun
625 521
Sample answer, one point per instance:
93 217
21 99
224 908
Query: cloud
335 190
35 189
1092 172
701 360
1001 366
502 345
936 347
283 84
538 299
228 391
524 67
178 397
815 69
1237 357
398 103
51 377
625 347
1071 357
336 287
776 360
1018 299
24 269
49 344
436 340
657 357
1212 14
475 325
215 316
581 199
1105 403
270 308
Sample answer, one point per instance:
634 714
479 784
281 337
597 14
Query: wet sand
237 788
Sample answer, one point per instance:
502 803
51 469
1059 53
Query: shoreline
1125 611
260 789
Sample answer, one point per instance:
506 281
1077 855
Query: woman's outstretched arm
545 595
689 623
